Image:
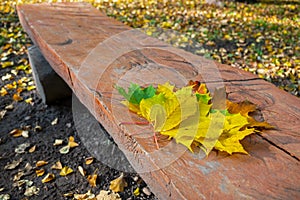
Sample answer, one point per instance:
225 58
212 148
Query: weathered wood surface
70 36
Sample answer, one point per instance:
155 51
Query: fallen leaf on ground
72 142
21 148
49 177
57 165
14 72
25 134
16 133
32 87
92 179
13 164
2 113
32 149
108 195
9 107
54 122
37 128
28 167
3 92
136 192
18 176
118 184
65 149
4 196
146 191
87 196
41 163
7 64
17 97
20 183
6 77
29 100
65 171
89 160
81 170
39 172
58 142
69 194
11 86
30 191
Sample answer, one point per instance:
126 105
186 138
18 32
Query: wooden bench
92 52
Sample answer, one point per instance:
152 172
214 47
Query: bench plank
69 35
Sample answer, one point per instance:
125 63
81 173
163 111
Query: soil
31 117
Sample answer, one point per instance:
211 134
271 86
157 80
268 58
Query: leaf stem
155 140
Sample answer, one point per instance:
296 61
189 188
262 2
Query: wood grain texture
92 52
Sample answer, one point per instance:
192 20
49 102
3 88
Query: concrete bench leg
50 86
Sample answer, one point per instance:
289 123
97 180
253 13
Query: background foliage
261 37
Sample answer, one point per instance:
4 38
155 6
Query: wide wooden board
92 53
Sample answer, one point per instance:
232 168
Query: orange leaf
39 172
72 143
41 163
89 160
244 107
17 97
92 179
32 149
16 133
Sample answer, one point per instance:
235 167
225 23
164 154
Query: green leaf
135 93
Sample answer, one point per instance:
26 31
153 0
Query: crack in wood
234 80
280 148
70 78
180 61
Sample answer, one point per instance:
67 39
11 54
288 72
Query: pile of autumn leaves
192 117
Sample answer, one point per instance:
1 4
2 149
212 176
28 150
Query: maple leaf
191 116
167 109
135 93
92 179
65 171
230 134
118 184
244 107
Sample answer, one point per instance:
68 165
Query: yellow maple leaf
230 141
3 92
166 110
118 184
191 116
65 171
